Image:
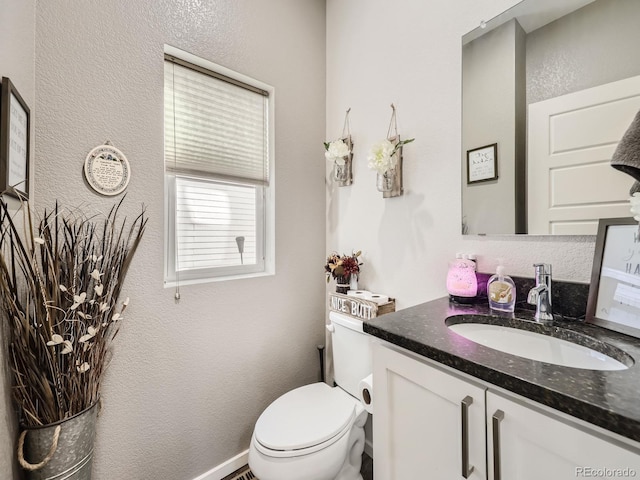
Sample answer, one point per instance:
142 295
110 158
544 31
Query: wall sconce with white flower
385 157
340 152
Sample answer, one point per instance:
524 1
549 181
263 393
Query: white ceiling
531 14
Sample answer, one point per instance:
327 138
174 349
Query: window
218 187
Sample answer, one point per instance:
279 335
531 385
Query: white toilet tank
351 352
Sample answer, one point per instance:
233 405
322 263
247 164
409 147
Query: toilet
316 432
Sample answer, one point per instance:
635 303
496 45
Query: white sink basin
535 346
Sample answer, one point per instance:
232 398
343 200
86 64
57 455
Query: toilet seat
305 420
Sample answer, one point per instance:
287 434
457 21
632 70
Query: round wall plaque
107 170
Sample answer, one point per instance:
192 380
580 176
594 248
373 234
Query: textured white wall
409 52
17 57
188 381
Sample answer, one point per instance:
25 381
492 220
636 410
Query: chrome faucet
540 295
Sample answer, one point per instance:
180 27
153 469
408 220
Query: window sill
197 281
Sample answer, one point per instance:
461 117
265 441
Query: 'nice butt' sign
358 307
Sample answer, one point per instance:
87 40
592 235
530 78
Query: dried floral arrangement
60 283
342 267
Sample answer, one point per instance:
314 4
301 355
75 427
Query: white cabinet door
418 426
525 444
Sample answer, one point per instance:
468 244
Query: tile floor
367 467
366 471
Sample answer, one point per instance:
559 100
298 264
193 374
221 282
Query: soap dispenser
501 291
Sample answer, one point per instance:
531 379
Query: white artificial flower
78 300
381 157
68 347
55 340
115 317
38 240
91 332
104 306
337 151
62 288
98 289
96 274
84 367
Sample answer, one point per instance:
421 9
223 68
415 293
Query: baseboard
368 448
242 459
226 468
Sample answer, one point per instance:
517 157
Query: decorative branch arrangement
60 284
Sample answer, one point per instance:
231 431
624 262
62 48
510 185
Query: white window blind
217 173
210 218
213 126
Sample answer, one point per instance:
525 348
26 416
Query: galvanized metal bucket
60 451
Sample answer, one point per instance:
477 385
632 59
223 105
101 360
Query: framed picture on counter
482 164
614 293
14 141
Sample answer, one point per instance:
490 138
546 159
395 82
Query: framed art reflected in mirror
482 164
614 293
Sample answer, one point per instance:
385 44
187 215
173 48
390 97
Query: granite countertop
609 399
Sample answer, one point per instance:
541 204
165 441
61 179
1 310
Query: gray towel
626 158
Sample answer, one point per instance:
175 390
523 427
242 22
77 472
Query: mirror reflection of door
571 140
536 51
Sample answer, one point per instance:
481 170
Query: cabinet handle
464 412
496 419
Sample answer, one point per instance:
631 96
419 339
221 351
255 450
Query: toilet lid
305 417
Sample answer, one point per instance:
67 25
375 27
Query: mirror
548 90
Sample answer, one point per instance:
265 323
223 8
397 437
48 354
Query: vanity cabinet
524 443
429 423
426 423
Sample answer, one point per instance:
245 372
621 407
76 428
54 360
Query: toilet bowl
315 432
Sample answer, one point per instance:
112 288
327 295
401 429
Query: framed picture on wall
614 293
482 164
14 141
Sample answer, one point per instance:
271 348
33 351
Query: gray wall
594 45
189 380
491 78
17 43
